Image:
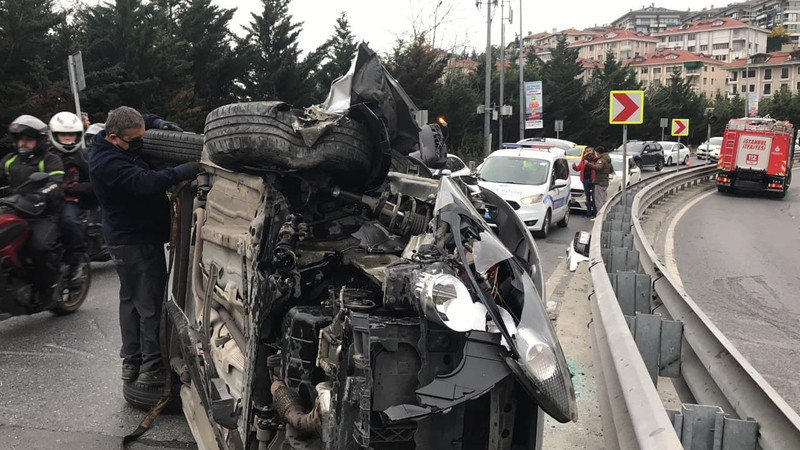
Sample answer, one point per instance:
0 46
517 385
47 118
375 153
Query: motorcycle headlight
530 200
447 301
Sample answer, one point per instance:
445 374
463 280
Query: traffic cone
688 164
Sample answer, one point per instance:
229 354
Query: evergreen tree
455 100
417 67
213 63
675 100
782 105
338 53
26 60
564 93
725 109
276 72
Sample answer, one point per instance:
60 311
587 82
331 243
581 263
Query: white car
578 199
675 153
710 147
535 182
455 167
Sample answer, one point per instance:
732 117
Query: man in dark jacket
30 141
136 224
602 168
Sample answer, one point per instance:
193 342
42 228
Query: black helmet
26 125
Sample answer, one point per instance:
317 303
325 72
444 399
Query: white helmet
66 122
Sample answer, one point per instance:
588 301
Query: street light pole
487 102
521 78
502 70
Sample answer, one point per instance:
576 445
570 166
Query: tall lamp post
521 78
487 101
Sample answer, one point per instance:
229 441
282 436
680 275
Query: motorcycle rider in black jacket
66 135
30 141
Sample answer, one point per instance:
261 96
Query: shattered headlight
447 301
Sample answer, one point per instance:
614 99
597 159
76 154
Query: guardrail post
702 427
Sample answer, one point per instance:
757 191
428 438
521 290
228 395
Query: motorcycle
17 293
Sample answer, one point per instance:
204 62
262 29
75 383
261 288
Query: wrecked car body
313 310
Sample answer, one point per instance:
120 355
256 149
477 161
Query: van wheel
565 221
545 226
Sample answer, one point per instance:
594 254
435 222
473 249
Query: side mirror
433 152
560 183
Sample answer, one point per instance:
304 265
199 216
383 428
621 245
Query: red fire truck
756 155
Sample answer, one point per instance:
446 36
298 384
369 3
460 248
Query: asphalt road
59 380
737 256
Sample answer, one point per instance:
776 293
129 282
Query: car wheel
669 161
686 160
171 146
144 397
545 227
659 165
565 221
259 136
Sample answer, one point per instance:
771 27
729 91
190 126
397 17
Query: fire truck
756 155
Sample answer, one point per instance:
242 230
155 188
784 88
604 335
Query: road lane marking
669 239
71 350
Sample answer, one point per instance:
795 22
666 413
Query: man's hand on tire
189 170
171 126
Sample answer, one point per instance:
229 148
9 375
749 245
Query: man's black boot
130 370
155 377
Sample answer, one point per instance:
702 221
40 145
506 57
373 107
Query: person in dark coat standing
136 225
603 168
587 176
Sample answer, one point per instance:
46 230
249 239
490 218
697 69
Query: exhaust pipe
287 403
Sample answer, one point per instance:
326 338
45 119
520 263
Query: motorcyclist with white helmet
66 137
29 135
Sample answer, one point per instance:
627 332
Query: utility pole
502 70
487 101
521 78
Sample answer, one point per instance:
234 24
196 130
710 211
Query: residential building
531 38
723 38
624 44
704 74
459 67
549 40
589 66
764 73
650 19
762 13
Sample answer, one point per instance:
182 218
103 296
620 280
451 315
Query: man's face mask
135 145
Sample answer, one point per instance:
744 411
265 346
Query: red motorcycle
17 293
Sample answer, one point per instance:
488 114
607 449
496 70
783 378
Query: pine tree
564 93
276 72
338 53
417 67
613 76
26 59
213 65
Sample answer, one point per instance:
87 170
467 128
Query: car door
670 152
647 155
560 194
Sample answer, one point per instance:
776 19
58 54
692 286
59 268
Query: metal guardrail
713 370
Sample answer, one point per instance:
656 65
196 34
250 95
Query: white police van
534 181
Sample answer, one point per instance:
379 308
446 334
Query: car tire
669 161
259 136
144 398
659 165
174 147
686 160
545 226
564 221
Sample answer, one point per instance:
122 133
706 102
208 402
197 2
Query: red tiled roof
704 25
590 63
613 35
774 58
463 64
662 57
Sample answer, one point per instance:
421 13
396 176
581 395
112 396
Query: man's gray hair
122 119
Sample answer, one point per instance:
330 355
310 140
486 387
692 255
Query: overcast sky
380 22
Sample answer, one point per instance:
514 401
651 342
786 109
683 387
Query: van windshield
502 169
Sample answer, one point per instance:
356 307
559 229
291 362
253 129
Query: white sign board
752 152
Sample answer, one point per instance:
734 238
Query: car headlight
531 199
447 301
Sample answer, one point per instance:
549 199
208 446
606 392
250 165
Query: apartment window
791 17
767 89
734 89
705 68
692 36
784 72
721 46
751 73
752 88
744 88
744 74
791 28
676 38
767 74
798 85
691 48
644 69
734 76
705 81
704 48
656 69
